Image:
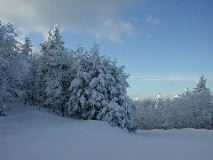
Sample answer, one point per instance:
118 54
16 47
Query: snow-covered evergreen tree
31 81
55 71
10 72
203 108
99 90
192 109
201 84
26 64
26 48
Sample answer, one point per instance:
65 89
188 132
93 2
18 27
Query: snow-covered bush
144 116
121 116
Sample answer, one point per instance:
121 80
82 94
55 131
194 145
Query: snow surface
29 134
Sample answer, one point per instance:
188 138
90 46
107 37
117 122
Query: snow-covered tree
99 90
192 109
53 42
51 73
201 84
58 81
26 49
27 63
55 71
203 108
10 72
32 81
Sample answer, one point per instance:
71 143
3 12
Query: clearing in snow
29 134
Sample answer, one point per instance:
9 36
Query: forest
84 84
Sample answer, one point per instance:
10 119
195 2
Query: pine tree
26 49
31 82
201 84
53 42
9 62
99 90
203 109
27 60
55 72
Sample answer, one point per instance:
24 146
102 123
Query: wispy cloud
151 19
143 77
96 17
166 61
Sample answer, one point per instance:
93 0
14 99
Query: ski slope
29 134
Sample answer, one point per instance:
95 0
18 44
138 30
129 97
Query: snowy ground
29 134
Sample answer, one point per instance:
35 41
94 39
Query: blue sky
165 45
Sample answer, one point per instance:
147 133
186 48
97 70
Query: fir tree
99 90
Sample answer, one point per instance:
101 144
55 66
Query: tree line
191 109
82 83
73 82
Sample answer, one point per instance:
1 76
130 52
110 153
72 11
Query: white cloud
97 17
151 19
